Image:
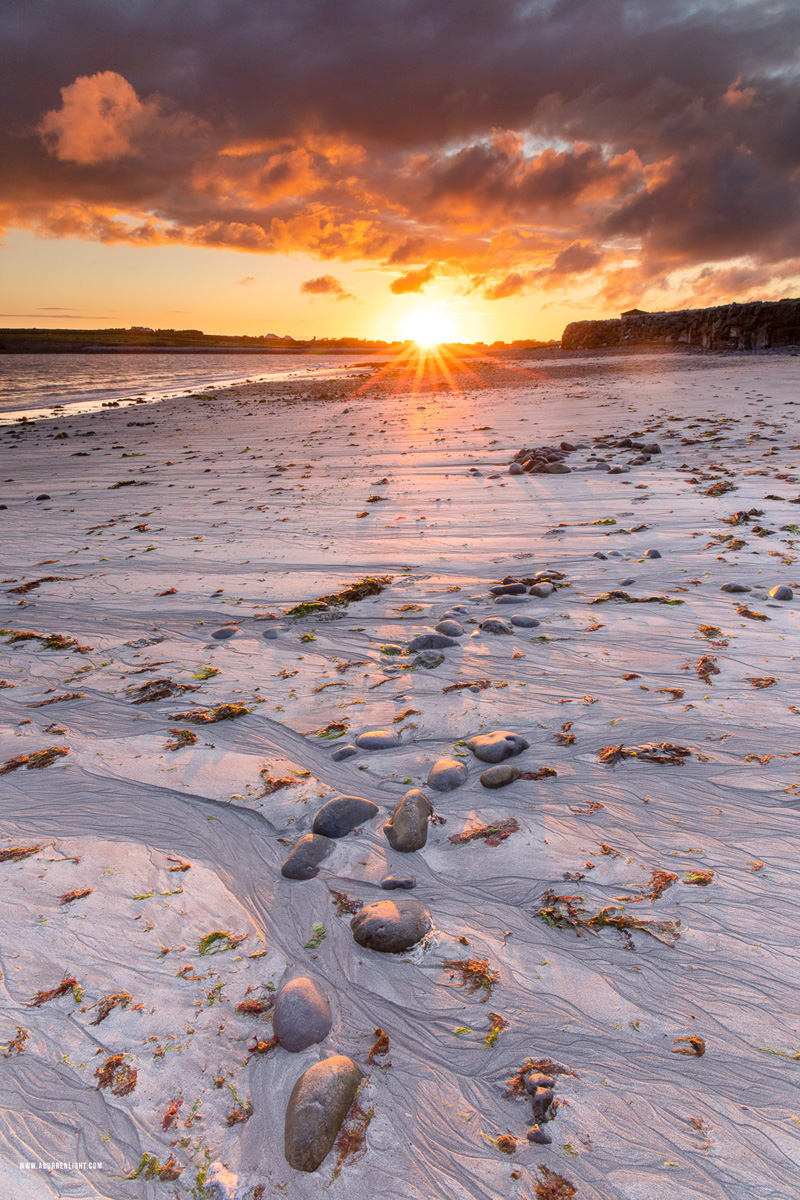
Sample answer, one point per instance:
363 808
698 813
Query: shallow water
33 384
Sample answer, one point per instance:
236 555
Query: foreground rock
302 1015
500 776
497 746
407 828
431 641
447 774
781 591
391 926
376 739
307 854
339 817
319 1102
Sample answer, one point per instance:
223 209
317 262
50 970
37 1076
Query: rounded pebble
342 815
343 752
450 628
497 746
652 553
407 828
302 1014
376 739
734 587
227 631
306 855
430 641
428 659
447 774
391 882
523 622
500 776
391 926
495 625
781 591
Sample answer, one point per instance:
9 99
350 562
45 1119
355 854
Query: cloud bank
521 145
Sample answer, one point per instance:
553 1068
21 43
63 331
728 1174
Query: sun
428 326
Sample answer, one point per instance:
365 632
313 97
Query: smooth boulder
376 739
302 1014
391 926
523 622
306 855
494 625
453 629
430 641
343 752
500 776
447 774
781 591
429 659
407 828
227 631
497 746
340 816
319 1102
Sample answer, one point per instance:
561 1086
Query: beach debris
316 939
109 1003
476 685
475 974
380 1048
391 926
171 1115
302 1014
208 716
761 681
660 752
319 1102
50 641
570 912
742 516
151 1168
181 738
692 1046
627 599
18 853
158 689
552 1186
407 828
117 1075
351 1144
218 941
345 905
330 732
565 736
37 760
57 699
720 488
16 1045
491 835
75 894
370 585
698 878
706 666
497 1024
744 611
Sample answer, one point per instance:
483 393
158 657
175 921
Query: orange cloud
413 281
326 285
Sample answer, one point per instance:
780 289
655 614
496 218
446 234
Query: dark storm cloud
491 138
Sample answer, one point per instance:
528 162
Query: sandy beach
622 903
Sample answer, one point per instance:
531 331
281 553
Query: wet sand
168 522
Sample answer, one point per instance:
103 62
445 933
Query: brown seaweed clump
208 716
116 1075
475 974
660 752
569 912
36 761
491 835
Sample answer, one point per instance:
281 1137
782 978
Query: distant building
635 312
140 329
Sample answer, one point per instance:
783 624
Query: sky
485 169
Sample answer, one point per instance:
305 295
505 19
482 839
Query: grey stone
500 776
227 631
319 1102
391 926
538 1135
599 554
496 746
515 469
392 882
542 590
343 752
556 468
447 774
652 553
428 659
651 448
495 625
341 815
627 581
270 634
430 641
510 599
376 739
781 591
734 587
302 1014
306 855
568 446
407 828
523 622
508 589
450 628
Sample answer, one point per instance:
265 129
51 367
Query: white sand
638 1122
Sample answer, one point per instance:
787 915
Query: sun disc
428 327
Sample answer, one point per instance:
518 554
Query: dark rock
568 446
734 587
43 496
451 629
428 659
535 1134
515 469
523 622
781 591
510 599
508 589
376 739
651 448
318 1105
447 774
599 554
542 590
391 882
270 634
500 776
536 1080
407 828
227 631
302 1014
343 752
306 855
495 625
497 746
652 554
340 816
556 468
430 641
391 926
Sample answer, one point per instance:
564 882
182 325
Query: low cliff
760 325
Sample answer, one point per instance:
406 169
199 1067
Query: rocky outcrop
761 325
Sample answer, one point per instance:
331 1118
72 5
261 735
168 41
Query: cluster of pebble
549 460
323 1094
